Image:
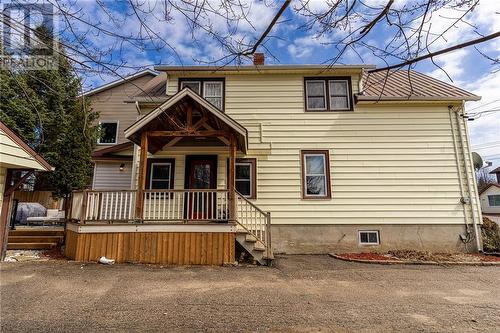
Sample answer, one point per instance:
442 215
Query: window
328 94
494 200
212 92
210 89
369 237
315 174
160 174
245 178
316 95
108 133
339 94
193 85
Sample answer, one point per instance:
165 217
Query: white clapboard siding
107 176
390 163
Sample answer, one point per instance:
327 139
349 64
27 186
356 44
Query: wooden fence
44 198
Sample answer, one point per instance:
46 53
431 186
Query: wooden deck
169 248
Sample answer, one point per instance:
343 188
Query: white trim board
111 228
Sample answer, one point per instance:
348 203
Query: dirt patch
420 257
54 254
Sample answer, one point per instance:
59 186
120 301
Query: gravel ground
299 294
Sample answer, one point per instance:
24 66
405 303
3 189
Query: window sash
250 179
186 83
313 96
333 94
308 174
166 180
99 139
494 200
215 98
368 235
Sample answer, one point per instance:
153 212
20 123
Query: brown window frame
328 193
202 80
253 175
160 160
326 81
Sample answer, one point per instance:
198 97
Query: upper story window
315 174
210 89
328 94
108 133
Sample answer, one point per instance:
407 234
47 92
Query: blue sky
295 45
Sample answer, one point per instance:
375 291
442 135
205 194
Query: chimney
258 59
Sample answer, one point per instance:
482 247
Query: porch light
122 166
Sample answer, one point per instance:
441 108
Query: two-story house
196 160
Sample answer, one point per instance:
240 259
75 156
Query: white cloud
486 128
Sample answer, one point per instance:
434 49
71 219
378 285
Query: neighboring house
496 172
490 199
342 161
113 153
15 155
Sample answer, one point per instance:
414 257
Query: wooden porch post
141 186
231 178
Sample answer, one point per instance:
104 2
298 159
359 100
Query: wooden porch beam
231 178
141 186
187 133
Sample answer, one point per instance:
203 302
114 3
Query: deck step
31 246
36 232
35 239
250 238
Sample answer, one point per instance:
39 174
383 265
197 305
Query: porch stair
254 230
254 247
34 239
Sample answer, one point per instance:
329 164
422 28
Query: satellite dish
478 161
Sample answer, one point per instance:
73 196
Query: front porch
197 221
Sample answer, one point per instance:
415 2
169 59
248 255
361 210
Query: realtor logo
24 28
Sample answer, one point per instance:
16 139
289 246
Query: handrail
248 219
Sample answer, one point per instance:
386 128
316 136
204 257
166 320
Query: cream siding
107 176
390 164
12 155
3 176
111 105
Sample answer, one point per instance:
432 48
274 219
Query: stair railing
255 221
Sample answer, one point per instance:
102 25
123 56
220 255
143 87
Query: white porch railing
158 206
186 205
254 220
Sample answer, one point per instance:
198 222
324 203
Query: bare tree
106 37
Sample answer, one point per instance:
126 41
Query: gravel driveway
300 294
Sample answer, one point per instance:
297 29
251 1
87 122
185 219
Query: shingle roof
497 170
412 85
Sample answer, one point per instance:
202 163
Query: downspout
471 191
459 170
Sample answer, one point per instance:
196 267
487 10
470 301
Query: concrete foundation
320 239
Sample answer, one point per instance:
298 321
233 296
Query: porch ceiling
186 114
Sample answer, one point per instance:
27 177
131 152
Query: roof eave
118 82
363 98
250 68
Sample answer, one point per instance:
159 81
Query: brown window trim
160 160
325 79
328 194
253 162
205 79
